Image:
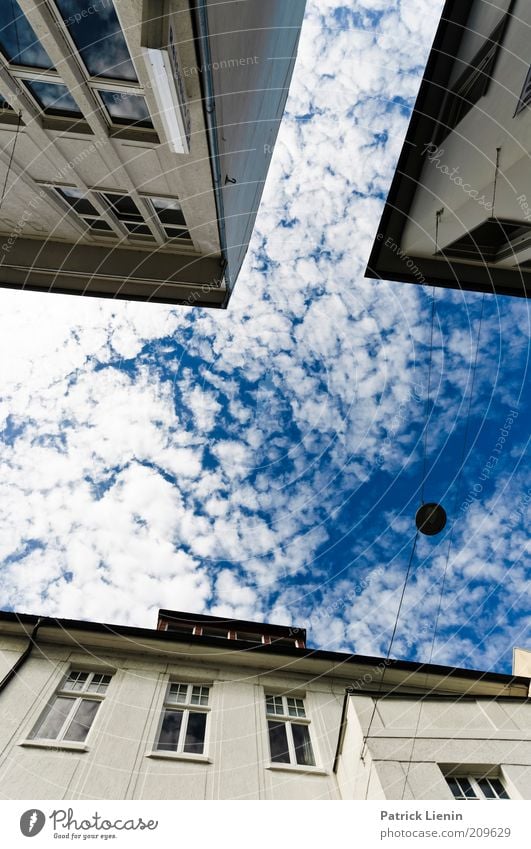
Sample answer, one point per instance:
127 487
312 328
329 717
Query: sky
265 462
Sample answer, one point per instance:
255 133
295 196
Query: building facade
207 708
136 136
458 213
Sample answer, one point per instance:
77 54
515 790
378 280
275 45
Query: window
184 719
80 204
53 98
170 216
98 38
71 713
525 97
289 741
126 211
469 787
126 108
4 104
18 41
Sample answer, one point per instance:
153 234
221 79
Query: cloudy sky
265 462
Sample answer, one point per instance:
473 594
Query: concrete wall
410 741
471 147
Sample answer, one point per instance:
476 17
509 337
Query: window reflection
53 98
98 36
126 108
18 41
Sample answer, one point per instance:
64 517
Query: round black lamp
430 519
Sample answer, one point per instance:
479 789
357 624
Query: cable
10 163
427 410
397 617
450 537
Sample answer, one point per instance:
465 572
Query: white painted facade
166 128
482 725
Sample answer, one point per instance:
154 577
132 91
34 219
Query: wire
450 537
427 410
10 163
397 617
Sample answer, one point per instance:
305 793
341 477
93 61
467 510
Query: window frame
76 696
473 780
82 219
289 719
139 130
186 707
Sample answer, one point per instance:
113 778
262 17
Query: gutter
202 40
23 657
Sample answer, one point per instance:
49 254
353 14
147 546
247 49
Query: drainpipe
23 657
342 728
200 19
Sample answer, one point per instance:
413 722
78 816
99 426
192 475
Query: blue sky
265 462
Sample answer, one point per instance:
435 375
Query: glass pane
83 719
53 98
126 108
199 695
77 200
499 788
98 224
492 788
124 207
274 705
278 742
303 746
4 104
169 211
99 682
454 787
75 681
18 41
195 733
172 233
296 707
138 229
53 718
177 693
466 788
170 729
99 38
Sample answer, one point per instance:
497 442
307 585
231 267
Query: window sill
180 756
62 745
307 770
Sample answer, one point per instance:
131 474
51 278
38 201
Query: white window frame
282 705
187 706
76 696
474 783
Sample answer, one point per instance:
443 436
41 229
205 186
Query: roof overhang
387 260
113 272
348 670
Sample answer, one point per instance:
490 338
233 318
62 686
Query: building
136 136
458 214
208 708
